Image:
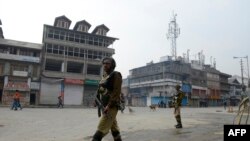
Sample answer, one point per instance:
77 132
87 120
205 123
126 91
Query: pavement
79 124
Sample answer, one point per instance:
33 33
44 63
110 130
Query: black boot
116 135
178 126
178 119
97 136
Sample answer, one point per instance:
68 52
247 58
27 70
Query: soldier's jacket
178 98
110 89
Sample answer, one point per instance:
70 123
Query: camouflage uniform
177 106
109 89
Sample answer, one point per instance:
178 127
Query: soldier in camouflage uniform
109 91
177 105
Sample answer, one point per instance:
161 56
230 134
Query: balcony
19 58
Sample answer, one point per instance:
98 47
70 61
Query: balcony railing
19 58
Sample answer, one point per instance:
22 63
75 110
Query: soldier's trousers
109 122
177 113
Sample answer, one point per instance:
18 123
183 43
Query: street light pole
248 71
241 63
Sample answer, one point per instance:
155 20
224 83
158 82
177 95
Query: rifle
100 107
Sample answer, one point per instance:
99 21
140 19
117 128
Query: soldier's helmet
177 87
113 63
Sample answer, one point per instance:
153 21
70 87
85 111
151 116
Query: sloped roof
62 17
82 22
233 81
100 26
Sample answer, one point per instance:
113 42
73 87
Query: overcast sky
220 28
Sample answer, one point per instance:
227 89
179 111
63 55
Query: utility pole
248 72
242 70
241 66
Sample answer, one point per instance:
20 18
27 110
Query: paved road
78 124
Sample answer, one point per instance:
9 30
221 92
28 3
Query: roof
20 44
233 81
228 75
86 33
100 26
62 17
82 22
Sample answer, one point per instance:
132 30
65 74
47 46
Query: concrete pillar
29 81
38 71
83 67
6 80
63 67
18 51
6 68
30 70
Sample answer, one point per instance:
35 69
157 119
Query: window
49 48
56 34
91 40
71 37
77 38
96 41
65 24
76 52
95 55
70 51
13 50
99 55
90 54
74 67
50 34
82 40
53 65
24 52
93 69
66 51
82 53
61 50
62 35
55 49
3 50
100 42
35 54
106 43
80 27
62 24
86 29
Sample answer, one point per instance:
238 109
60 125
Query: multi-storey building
213 85
235 92
71 64
224 85
155 82
199 86
19 70
1 31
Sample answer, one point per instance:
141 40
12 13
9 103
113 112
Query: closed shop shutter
50 92
89 95
73 94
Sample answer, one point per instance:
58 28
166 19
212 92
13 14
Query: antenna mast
173 33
